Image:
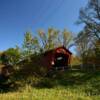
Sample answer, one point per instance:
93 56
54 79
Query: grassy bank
68 85
60 93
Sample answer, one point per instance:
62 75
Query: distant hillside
75 60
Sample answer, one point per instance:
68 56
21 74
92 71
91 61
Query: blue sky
19 16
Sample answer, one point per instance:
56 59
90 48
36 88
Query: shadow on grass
90 81
10 87
69 78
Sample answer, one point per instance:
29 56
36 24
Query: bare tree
90 16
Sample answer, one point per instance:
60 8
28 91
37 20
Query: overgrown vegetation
64 85
88 40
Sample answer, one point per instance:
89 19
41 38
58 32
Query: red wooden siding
49 56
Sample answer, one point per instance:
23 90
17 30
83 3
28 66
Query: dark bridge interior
61 60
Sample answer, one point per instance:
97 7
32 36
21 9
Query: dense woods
88 40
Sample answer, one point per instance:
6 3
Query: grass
30 93
68 85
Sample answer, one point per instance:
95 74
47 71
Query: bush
10 56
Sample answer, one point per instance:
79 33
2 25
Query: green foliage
88 37
73 85
67 38
49 39
11 56
0 57
45 41
30 45
54 38
89 50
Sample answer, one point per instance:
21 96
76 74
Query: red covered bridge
59 57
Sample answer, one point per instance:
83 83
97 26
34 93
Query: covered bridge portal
57 58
